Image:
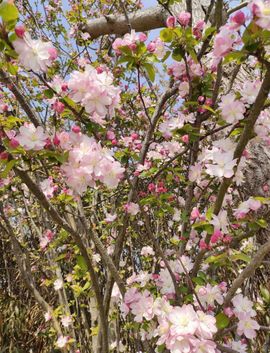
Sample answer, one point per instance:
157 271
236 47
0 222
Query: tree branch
140 21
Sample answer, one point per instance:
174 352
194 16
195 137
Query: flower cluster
34 54
182 329
246 206
88 162
243 310
129 40
95 92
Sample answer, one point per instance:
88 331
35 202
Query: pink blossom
183 320
242 305
206 325
20 31
261 12
58 106
62 341
132 208
143 307
31 137
34 54
170 22
48 187
95 92
247 326
58 284
232 110
184 18
147 250
66 321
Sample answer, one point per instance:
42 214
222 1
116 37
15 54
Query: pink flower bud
203 245
185 139
151 187
20 30
53 53
195 213
171 21
151 47
76 129
216 236
110 135
265 188
184 18
4 107
99 70
13 143
56 140
64 87
228 312
114 142
59 107
142 37
4 155
201 99
134 136
239 18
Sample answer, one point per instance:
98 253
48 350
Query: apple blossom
34 54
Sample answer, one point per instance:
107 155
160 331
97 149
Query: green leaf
81 263
208 32
262 223
48 93
8 168
216 259
178 54
240 256
150 70
8 12
166 35
222 321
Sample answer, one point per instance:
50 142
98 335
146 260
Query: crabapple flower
261 12
34 54
132 208
208 295
58 284
220 222
147 250
88 162
224 166
184 18
31 137
45 239
95 92
48 187
232 110
206 326
62 341
183 320
47 316
247 326
224 42
246 206
250 91
242 305
195 172
143 307
238 346
66 321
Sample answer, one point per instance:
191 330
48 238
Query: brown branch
247 272
140 21
77 239
246 135
20 97
25 270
